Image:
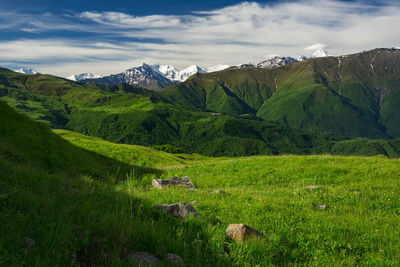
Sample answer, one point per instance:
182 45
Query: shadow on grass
88 220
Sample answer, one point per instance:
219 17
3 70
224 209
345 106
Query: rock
241 232
312 187
142 258
179 210
219 192
29 244
175 259
194 203
322 207
177 181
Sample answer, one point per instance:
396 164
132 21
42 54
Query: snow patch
27 71
83 76
320 53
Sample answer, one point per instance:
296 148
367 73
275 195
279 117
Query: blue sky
103 37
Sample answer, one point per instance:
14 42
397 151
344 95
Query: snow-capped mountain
271 62
149 76
145 76
320 53
83 76
176 75
276 62
158 76
168 71
301 58
189 71
243 66
27 71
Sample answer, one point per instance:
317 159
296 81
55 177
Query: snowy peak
183 75
276 62
244 66
301 58
27 71
168 71
83 76
320 53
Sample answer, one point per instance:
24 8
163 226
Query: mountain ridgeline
351 96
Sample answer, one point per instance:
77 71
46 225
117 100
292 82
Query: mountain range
154 77
348 96
157 76
352 96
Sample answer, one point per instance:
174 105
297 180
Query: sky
104 37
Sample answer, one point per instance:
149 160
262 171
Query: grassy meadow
88 202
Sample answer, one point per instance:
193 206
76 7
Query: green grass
93 218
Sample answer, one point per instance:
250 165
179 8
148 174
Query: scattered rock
322 207
313 187
175 259
241 232
194 203
177 181
178 210
142 258
29 244
219 192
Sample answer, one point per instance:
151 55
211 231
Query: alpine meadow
264 160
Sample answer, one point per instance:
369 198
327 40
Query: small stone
175 259
179 210
177 181
322 207
142 258
29 244
194 203
219 192
241 232
313 187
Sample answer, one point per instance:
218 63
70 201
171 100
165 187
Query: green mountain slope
129 115
351 96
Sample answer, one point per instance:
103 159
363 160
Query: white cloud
315 47
235 34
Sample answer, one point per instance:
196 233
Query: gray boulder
142 258
179 210
241 232
176 181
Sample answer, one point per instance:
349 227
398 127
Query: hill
26 142
349 96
